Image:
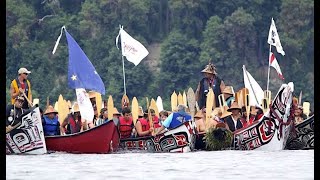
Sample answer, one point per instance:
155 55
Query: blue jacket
51 127
179 118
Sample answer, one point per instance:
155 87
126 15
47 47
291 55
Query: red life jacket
73 126
125 127
156 123
243 122
144 124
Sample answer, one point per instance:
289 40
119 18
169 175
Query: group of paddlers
231 116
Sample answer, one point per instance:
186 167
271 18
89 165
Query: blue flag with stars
81 73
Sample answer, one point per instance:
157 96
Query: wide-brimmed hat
228 90
199 114
92 94
216 111
75 107
210 68
233 106
115 111
23 70
49 110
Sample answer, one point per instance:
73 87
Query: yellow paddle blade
35 101
135 110
180 99
184 98
110 107
62 109
125 101
209 105
98 101
153 105
174 101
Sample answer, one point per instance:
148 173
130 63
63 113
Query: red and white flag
274 63
273 38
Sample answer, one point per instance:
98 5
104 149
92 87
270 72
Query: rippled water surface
195 165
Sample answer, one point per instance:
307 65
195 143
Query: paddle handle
30 103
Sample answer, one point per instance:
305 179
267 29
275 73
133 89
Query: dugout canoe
27 136
102 139
270 132
180 139
303 136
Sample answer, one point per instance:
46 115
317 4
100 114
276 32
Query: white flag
85 106
255 91
132 49
273 38
274 63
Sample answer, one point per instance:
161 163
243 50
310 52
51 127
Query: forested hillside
183 36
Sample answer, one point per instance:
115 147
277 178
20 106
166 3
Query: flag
132 49
81 73
85 106
273 38
255 91
274 63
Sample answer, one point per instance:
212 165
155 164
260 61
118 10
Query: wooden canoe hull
180 139
100 139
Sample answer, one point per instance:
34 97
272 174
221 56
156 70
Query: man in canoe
233 121
175 119
126 124
13 112
50 122
73 122
21 85
210 80
228 95
103 118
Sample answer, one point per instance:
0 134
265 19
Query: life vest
27 88
51 126
204 89
145 125
156 123
179 118
73 126
125 127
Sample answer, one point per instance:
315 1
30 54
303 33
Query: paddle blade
125 101
306 108
110 107
135 110
174 101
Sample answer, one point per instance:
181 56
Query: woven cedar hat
210 68
49 110
76 107
225 112
228 90
233 106
216 111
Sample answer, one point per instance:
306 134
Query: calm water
195 165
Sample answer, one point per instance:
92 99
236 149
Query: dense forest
182 36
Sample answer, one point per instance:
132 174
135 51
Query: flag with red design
274 63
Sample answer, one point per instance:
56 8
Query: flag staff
268 67
124 75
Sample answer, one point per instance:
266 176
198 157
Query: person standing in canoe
92 98
126 128
210 80
13 112
50 122
73 122
175 119
21 85
228 95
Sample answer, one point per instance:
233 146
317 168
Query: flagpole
268 67
124 76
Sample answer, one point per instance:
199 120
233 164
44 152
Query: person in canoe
21 85
175 119
163 116
228 95
103 118
210 80
233 121
143 126
200 123
126 128
13 112
73 122
299 116
92 97
50 122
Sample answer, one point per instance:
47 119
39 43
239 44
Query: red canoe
100 139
